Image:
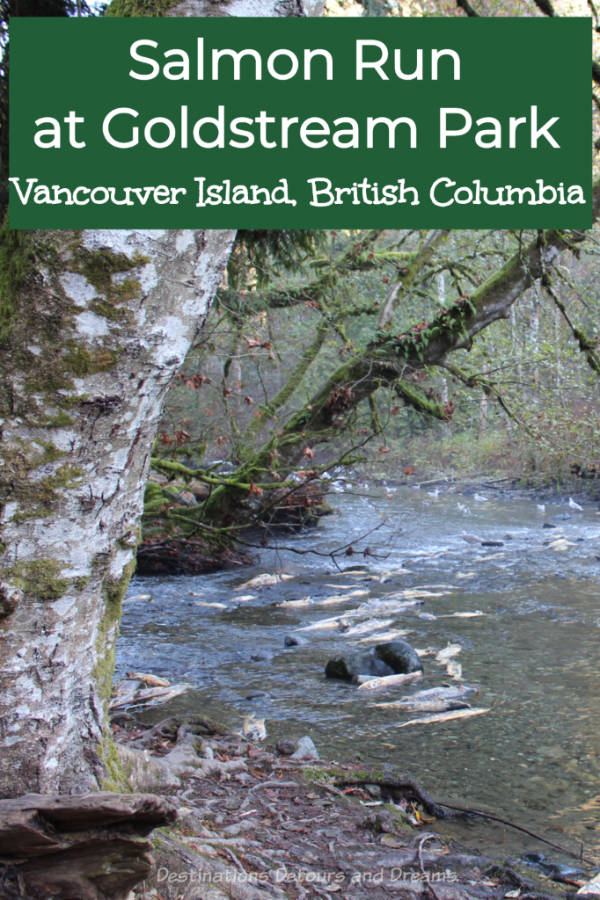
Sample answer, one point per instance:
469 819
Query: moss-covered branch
390 357
269 410
410 274
359 256
588 346
414 397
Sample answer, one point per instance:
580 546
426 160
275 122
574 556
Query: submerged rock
292 640
400 656
391 658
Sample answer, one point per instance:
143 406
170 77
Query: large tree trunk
101 323
93 327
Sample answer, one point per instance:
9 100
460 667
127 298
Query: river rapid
532 648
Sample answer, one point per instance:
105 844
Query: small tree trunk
534 338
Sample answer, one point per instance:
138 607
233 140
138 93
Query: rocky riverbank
259 822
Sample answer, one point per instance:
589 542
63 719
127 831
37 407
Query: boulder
399 656
349 668
285 747
305 749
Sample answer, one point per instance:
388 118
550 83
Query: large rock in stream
390 658
400 656
348 668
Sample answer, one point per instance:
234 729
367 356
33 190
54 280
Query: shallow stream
534 758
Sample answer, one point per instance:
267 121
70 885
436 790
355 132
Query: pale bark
70 533
101 325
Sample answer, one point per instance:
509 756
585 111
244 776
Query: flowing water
534 758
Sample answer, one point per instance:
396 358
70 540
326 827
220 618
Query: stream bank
532 650
256 824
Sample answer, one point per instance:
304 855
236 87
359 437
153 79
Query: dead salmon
449 692
447 653
430 706
378 684
446 716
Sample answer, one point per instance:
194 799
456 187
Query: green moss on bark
129 8
115 778
100 267
60 420
15 266
42 350
41 578
83 361
37 499
113 590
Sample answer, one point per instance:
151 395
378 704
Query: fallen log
88 846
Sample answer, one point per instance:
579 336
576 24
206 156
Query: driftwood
77 847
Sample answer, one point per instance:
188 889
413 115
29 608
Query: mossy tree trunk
93 327
100 323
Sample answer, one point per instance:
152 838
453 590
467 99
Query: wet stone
285 747
400 656
348 668
290 640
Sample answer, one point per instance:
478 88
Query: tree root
509 874
408 788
